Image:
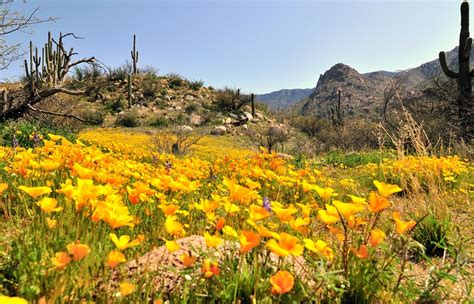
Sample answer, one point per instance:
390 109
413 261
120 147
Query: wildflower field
105 218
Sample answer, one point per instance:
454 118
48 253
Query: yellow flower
328 216
3 187
126 288
377 202
386 189
115 258
212 240
282 282
123 242
347 209
172 246
51 223
287 244
174 227
230 231
239 193
78 250
357 199
258 213
248 240
284 214
48 205
324 193
60 260
34 192
376 236
188 260
12 300
320 247
210 269
401 226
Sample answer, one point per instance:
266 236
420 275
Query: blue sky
258 45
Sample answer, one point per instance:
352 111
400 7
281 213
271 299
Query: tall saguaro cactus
134 54
463 76
337 113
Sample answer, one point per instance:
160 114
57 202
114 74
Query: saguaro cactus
134 54
464 75
337 113
252 104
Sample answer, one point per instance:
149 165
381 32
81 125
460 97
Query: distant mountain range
283 98
360 93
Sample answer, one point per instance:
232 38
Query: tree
12 21
45 75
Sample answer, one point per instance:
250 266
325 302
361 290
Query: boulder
219 130
196 120
247 116
186 128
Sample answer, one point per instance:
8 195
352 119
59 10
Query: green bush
159 121
117 105
230 100
432 233
149 89
128 119
196 84
93 115
176 81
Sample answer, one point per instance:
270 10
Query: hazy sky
256 45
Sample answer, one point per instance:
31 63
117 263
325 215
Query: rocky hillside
283 98
361 94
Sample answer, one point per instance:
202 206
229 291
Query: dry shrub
178 141
354 134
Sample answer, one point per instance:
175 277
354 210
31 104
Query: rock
189 97
248 116
219 130
228 120
259 116
196 120
255 120
185 128
246 127
178 108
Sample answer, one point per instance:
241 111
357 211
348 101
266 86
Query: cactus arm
467 49
445 68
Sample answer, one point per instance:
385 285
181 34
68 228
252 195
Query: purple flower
15 141
267 204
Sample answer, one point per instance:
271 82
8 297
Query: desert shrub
149 89
196 84
175 81
149 73
93 115
310 125
355 134
128 119
191 108
78 73
179 141
230 100
117 105
269 137
92 72
159 121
